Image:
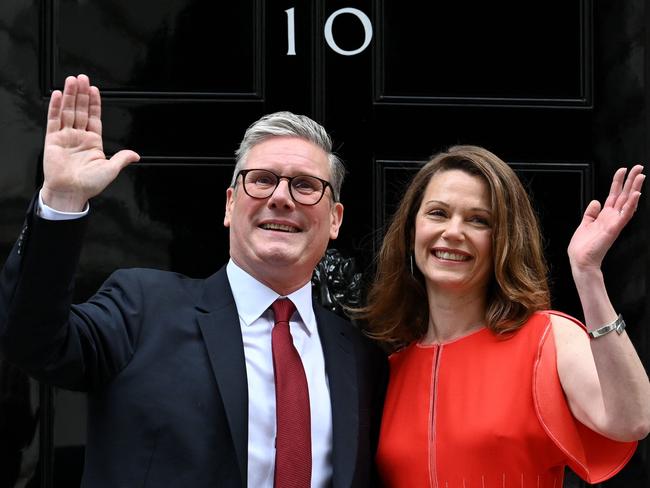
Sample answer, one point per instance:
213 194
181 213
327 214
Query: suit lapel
342 378
219 323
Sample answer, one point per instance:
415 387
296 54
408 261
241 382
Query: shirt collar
254 298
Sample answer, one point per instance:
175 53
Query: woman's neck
453 315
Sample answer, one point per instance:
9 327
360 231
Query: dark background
558 89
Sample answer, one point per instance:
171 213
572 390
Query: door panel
175 49
441 53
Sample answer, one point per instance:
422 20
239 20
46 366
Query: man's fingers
78 106
69 102
95 111
82 102
54 112
124 158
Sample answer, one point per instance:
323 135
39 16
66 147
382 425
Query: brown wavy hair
397 311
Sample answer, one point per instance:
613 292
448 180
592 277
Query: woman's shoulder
561 322
566 328
564 319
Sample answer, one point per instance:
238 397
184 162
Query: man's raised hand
74 164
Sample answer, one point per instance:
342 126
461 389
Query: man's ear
230 201
336 219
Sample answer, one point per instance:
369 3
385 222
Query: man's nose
281 196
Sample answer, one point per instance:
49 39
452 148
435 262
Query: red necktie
293 438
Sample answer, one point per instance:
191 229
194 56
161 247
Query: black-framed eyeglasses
304 189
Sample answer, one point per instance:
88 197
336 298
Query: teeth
451 256
281 227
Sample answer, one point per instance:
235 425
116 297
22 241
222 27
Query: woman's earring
411 262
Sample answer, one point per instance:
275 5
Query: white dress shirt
253 300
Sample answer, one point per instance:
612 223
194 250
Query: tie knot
283 309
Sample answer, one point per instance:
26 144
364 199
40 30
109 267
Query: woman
487 388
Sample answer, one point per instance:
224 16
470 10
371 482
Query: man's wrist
47 212
65 202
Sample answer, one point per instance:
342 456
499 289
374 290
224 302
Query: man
181 373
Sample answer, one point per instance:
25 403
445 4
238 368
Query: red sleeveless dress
486 411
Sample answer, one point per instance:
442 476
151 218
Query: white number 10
329 37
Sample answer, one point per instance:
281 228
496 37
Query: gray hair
289 124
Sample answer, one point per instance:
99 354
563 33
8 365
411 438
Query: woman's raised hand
601 226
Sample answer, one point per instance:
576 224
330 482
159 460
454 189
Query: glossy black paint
182 80
496 54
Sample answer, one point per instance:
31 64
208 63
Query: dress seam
433 476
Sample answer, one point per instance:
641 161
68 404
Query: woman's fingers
591 213
628 197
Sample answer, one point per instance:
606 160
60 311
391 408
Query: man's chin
281 259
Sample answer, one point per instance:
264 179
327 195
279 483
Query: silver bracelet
618 325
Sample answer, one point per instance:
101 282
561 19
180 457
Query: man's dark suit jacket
162 360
